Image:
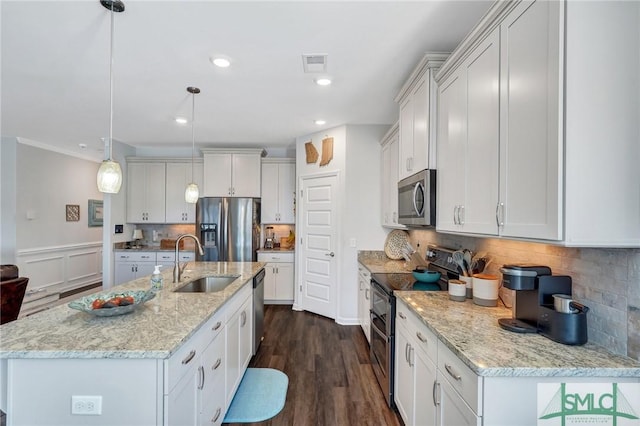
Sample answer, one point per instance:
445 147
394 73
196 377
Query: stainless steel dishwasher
258 309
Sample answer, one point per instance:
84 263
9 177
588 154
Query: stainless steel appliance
383 311
269 237
229 228
258 309
417 199
535 310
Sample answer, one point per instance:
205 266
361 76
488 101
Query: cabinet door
155 192
286 193
270 207
124 272
270 281
284 281
239 331
453 410
451 151
245 175
217 175
393 182
403 381
531 148
182 402
136 189
144 268
421 125
385 185
246 335
179 175
482 70
425 379
145 192
406 139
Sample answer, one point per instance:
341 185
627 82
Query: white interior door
318 251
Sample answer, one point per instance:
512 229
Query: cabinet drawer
214 364
461 377
184 361
275 257
135 256
428 342
165 256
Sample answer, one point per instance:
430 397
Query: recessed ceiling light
323 81
181 120
320 122
221 62
82 145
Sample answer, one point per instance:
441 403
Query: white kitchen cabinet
130 265
417 117
279 276
278 190
178 177
146 192
389 197
239 340
231 173
557 178
364 300
453 410
415 374
468 143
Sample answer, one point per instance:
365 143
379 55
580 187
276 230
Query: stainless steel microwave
417 199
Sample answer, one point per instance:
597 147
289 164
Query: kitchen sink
207 284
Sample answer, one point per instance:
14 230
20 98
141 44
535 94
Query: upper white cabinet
178 177
155 189
232 173
468 142
563 166
145 192
278 190
417 100
389 197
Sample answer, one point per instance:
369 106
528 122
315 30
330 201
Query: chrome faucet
177 270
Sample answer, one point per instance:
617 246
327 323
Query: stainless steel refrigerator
229 228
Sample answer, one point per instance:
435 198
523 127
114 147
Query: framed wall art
95 213
72 212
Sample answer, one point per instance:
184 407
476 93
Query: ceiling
55 68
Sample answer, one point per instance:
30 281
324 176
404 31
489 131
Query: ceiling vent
314 63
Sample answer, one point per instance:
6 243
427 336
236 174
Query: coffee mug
457 290
562 303
486 288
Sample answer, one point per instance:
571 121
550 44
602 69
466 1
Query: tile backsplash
605 280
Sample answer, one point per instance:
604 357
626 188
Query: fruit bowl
84 304
426 276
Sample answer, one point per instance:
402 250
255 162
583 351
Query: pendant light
192 192
109 177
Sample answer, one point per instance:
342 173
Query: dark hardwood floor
331 381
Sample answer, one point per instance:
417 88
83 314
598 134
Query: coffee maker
536 307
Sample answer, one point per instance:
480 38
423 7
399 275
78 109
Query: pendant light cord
111 85
193 134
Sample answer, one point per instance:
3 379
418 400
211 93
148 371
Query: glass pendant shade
192 193
109 177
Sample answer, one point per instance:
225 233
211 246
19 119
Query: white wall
356 158
8 201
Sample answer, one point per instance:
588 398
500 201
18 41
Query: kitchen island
152 366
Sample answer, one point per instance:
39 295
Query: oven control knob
430 254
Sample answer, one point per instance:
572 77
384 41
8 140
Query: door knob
329 254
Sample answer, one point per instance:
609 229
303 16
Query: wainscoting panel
54 270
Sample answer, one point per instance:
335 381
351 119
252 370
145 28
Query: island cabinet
389 184
279 276
233 173
364 300
179 175
278 190
417 101
521 127
239 341
146 192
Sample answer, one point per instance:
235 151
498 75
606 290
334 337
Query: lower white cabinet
415 371
279 277
239 341
364 300
132 265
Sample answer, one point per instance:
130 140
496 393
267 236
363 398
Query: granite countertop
377 262
473 334
155 330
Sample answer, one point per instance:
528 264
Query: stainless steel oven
382 338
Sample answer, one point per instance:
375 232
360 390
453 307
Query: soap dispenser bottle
156 279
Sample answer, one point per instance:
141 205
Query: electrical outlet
86 405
